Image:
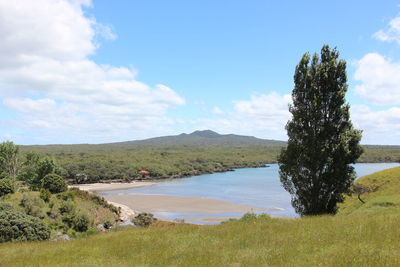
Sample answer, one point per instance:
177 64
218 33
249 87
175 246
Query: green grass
384 195
360 235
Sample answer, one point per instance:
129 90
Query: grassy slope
361 235
385 195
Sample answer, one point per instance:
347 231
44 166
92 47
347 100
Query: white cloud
217 111
379 126
46 74
380 80
392 33
265 105
263 115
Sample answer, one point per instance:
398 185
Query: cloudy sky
82 71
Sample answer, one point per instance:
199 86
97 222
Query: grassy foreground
360 235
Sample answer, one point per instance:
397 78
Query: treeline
90 165
93 163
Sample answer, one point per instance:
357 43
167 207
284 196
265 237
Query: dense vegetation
19 226
315 167
359 235
35 200
73 212
174 156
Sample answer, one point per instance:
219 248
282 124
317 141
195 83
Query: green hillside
382 194
177 156
360 235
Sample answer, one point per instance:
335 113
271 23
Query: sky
96 71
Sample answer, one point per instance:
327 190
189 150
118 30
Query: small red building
144 172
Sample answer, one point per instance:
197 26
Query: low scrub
6 187
144 219
18 226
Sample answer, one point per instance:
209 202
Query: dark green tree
29 169
8 160
44 166
54 183
315 167
6 187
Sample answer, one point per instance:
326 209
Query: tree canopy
315 167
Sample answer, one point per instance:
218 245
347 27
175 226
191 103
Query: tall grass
315 241
360 235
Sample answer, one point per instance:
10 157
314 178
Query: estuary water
257 187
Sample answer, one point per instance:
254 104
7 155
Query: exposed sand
133 204
110 186
156 203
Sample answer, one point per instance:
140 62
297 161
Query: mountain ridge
204 137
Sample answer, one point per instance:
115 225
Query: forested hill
206 137
176 156
197 138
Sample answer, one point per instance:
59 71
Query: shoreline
126 212
94 187
130 205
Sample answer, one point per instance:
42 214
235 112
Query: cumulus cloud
392 33
217 111
380 126
47 76
263 115
380 80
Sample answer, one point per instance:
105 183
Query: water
257 187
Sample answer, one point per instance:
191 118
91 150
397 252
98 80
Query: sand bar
110 186
157 203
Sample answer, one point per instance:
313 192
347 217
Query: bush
6 187
55 183
107 225
67 207
249 216
17 226
32 205
80 222
144 219
45 194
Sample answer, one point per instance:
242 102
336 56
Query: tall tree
8 160
315 166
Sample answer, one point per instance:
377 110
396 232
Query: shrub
17 226
67 207
45 194
6 187
249 216
4 206
107 224
144 219
55 183
68 195
80 222
32 205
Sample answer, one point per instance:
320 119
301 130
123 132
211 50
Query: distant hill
206 137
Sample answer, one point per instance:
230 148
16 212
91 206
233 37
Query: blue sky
81 71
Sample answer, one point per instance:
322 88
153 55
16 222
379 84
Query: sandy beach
134 204
110 186
156 203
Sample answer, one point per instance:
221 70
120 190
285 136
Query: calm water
259 187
